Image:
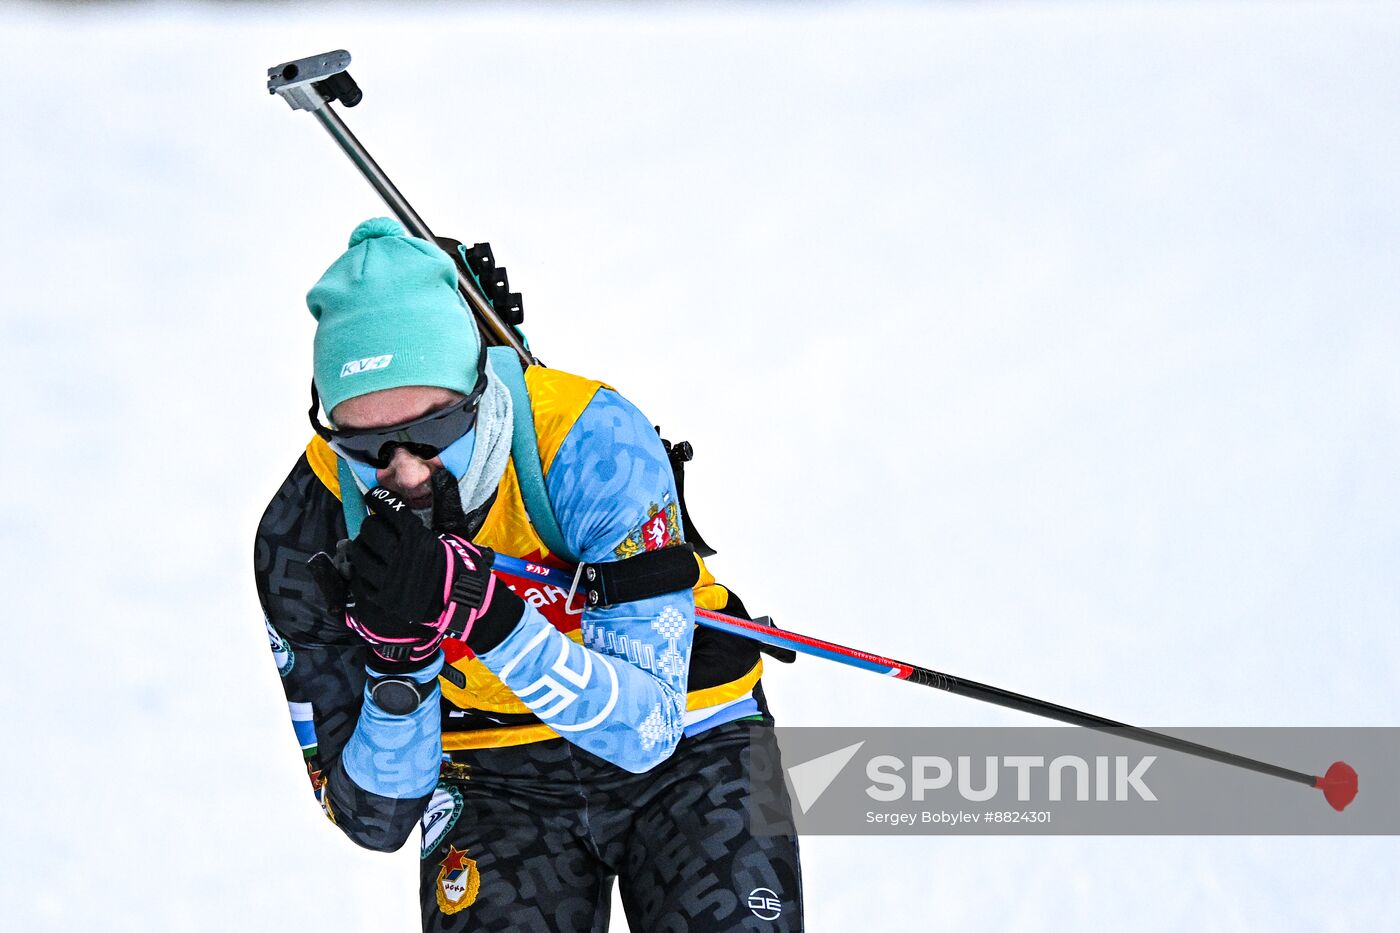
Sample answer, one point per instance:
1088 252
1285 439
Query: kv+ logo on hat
355 367
389 314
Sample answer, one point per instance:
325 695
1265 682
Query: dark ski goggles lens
424 437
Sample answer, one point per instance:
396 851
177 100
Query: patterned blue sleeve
397 756
620 695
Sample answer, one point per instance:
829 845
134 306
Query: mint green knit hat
388 314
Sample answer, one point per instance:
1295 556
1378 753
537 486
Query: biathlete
543 750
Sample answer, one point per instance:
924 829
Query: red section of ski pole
784 639
1338 785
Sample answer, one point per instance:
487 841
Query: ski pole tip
1338 785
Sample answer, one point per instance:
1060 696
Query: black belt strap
651 573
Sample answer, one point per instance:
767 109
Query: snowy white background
1080 316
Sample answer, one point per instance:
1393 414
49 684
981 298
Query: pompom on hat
388 314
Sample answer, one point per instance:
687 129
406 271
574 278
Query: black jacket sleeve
322 663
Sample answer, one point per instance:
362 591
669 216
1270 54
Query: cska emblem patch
318 786
458 882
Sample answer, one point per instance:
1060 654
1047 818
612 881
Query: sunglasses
424 437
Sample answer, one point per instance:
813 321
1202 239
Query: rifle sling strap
651 573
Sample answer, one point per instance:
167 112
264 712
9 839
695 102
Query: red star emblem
456 859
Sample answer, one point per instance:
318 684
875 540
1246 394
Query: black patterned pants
532 837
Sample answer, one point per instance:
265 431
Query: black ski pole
1338 785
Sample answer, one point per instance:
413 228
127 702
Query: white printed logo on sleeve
368 364
765 904
281 650
440 816
554 691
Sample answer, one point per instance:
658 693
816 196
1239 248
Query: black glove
399 645
448 515
396 562
748 647
442 580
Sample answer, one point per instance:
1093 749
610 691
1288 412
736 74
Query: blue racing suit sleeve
621 694
364 764
397 756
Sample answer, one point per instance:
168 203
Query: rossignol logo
368 364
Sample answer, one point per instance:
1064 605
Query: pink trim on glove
419 650
447 582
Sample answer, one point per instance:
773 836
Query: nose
405 473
